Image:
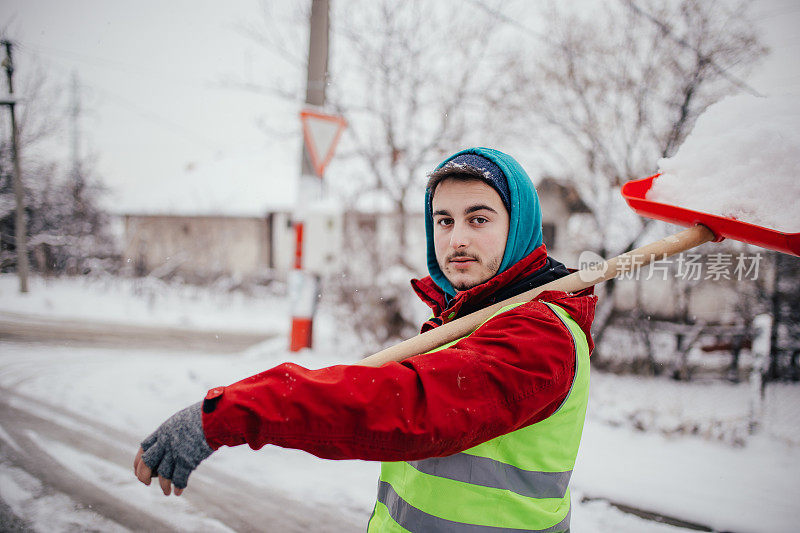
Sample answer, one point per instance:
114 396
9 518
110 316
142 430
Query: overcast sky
155 111
157 118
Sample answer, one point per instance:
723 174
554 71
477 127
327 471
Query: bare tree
68 230
604 95
620 87
414 80
37 121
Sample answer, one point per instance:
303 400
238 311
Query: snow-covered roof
242 185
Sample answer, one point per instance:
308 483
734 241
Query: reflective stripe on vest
515 482
399 511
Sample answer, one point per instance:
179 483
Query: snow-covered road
79 470
71 419
17 327
72 415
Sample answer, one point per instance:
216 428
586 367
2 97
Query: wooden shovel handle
577 281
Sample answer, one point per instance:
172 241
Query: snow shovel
703 227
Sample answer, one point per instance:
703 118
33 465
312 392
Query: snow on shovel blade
634 193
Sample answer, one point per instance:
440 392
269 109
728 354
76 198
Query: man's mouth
461 261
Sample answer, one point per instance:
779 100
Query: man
479 434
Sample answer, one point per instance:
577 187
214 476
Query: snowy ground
143 301
681 450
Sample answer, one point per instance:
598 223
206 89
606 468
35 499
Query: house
202 247
200 243
561 203
227 215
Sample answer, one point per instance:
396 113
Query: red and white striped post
303 292
303 287
321 132
298 245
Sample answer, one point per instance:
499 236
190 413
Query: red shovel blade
635 191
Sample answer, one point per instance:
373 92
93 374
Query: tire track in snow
25 328
92 464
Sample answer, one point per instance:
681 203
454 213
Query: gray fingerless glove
177 446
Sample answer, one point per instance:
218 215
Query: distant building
204 247
560 202
200 247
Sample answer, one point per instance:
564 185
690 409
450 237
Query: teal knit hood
525 224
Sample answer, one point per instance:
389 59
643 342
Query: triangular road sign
321 133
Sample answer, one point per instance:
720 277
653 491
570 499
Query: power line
155 117
138 109
108 64
736 81
508 20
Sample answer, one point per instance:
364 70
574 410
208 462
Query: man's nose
459 238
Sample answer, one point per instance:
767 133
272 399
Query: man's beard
491 268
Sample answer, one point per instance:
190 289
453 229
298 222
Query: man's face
470 228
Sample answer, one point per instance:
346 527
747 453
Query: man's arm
513 371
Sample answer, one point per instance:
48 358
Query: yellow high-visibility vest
515 482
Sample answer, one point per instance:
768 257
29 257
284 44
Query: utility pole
317 73
75 113
303 286
19 192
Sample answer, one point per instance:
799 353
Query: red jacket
513 371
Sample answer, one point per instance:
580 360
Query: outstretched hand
173 451
145 474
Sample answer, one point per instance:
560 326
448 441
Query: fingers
169 469
165 470
153 454
180 476
141 470
166 485
145 474
149 441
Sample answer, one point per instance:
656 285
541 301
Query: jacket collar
481 295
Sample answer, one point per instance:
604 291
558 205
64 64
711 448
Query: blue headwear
518 195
